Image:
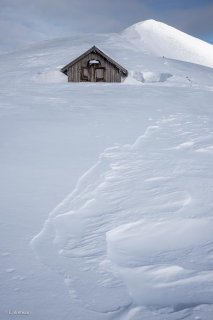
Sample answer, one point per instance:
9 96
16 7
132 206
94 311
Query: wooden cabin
94 66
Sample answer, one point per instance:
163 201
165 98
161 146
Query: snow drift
148 247
165 262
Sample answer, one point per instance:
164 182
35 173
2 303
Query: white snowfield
134 239
137 230
162 40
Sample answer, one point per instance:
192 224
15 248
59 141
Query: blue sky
26 21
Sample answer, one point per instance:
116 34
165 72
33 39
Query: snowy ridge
112 232
162 40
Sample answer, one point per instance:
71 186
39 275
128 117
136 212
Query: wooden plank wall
112 74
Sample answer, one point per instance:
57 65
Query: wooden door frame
104 70
92 74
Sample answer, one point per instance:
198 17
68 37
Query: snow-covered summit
163 40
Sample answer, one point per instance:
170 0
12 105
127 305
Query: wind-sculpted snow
166 262
137 229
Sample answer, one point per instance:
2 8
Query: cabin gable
94 66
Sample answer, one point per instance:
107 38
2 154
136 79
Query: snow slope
133 240
138 220
162 40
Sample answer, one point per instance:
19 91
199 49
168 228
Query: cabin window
99 74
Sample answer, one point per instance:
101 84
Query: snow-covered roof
94 61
